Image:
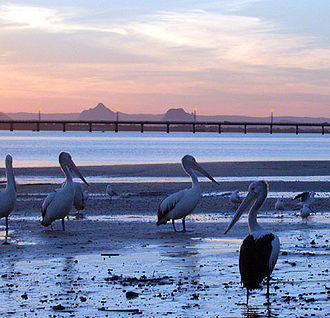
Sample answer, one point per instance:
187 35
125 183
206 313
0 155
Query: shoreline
220 169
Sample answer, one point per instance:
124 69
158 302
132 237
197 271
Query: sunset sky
240 57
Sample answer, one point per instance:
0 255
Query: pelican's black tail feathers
160 216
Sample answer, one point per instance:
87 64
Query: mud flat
116 262
89 269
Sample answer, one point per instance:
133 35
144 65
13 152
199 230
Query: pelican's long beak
197 167
244 205
74 168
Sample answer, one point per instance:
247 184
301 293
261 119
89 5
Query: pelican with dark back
260 249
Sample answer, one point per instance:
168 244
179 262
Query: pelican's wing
169 204
303 196
50 197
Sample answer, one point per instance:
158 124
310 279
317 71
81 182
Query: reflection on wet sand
256 312
90 268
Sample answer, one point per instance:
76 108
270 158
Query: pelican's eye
253 188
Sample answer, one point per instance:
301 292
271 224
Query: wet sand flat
96 266
89 268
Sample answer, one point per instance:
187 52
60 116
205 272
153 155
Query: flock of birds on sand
305 203
259 250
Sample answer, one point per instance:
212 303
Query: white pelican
8 195
305 211
306 197
58 204
260 249
235 198
110 192
178 205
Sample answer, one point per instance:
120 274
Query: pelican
8 195
110 192
306 197
260 249
305 211
234 198
178 205
58 204
80 198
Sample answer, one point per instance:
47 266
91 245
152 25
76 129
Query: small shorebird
235 198
279 206
58 204
305 211
260 249
110 192
8 195
178 205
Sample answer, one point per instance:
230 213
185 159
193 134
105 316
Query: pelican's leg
5 242
173 225
63 227
6 227
268 278
184 225
51 226
247 297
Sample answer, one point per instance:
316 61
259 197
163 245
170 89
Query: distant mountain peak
177 114
99 112
176 111
100 106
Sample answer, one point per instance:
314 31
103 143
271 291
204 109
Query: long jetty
168 126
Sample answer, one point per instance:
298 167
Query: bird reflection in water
256 312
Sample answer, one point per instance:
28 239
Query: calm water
42 148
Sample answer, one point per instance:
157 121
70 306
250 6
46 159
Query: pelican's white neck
10 176
253 224
190 172
66 172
